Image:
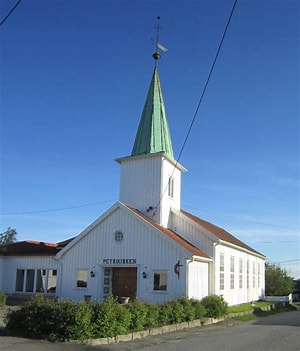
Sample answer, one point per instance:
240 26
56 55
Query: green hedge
65 320
2 299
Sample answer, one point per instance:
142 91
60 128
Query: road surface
279 332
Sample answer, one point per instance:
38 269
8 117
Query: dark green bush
2 299
65 320
166 314
199 309
188 308
215 306
139 314
178 314
153 316
62 320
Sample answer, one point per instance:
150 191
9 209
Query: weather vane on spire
158 46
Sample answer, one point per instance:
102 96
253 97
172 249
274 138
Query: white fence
288 299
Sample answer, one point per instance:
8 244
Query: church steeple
153 133
150 177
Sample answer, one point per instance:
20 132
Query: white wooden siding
198 280
12 263
144 184
239 295
192 232
151 249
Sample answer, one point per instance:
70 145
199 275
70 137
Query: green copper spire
153 134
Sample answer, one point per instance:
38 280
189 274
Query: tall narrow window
81 281
231 272
248 272
29 280
253 277
222 268
171 187
51 283
258 275
241 273
20 280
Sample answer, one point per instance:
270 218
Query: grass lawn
258 313
248 306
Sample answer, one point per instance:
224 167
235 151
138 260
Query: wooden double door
124 282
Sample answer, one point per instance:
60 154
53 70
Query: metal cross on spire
158 46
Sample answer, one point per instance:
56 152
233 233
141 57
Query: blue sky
74 78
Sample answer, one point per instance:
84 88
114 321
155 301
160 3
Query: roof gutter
253 253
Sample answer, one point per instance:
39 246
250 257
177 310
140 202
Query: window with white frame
253 275
241 273
231 272
248 273
81 278
160 280
221 268
171 187
36 280
258 275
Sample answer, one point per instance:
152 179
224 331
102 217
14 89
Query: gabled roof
218 232
153 133
32 248
172 235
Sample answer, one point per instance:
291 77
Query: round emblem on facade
119 236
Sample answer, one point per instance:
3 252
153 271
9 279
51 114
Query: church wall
139 186
142 247
243 275
198 280
167 201
144 185
192 232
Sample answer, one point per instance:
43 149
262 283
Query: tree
8 237
278 283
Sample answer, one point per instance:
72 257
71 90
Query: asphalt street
275 333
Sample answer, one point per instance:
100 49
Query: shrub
215 306
166 314
65 320
178 314
199 310
110 318
139 313
188 308
2 299
153 316
62 320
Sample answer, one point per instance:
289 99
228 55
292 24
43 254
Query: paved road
275 333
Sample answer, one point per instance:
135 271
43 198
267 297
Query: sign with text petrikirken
119 261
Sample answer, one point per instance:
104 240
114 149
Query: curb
150 332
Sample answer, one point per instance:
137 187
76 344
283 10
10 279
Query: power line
243 219
10 12
201 97
55 209
208 79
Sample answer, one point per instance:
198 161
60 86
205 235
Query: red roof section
219 232
32 248
171 234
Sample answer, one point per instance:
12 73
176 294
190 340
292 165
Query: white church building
145 246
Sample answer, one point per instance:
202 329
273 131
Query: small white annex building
145 246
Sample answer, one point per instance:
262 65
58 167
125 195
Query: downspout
213 269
